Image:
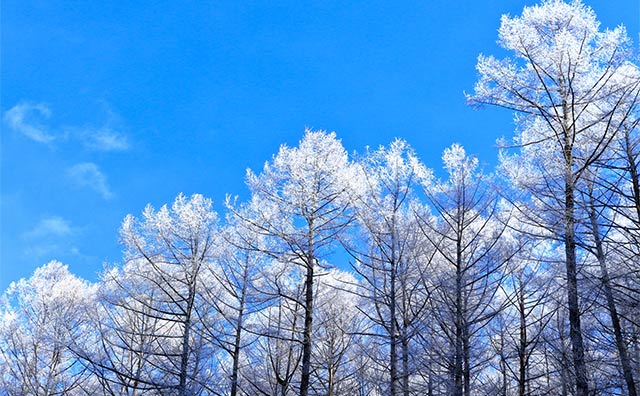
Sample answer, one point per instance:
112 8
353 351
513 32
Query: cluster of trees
526 282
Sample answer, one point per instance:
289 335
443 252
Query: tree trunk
457 369
503 366
575 332
238 336
308 313
633 172
393 328
564 360
308 327
522 350
466 348
405 363
184 356
393 336
331 373
625 362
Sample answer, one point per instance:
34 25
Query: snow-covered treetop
51 290
556 45
303 177
187 226
460 166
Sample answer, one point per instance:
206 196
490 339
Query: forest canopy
372 274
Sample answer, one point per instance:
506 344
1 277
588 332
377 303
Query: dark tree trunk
308 328
184 356
237 344
458 359
393 335
405 363
522 350
633 172
625 362
466 348
575 331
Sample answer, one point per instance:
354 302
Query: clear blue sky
108 106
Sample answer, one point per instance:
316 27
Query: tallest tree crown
563 33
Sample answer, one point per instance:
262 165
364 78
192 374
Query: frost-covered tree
301 204
391 255
124 349
518 335
610 196
41 320
572 86
231 295
466 237
152 337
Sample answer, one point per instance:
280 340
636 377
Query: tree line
369 274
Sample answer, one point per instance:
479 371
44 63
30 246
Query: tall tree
568 83
337 331
230 299
526 315
160 289
273 362
302 203
390 254
466 236
600 242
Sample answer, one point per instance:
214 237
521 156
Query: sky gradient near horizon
108 106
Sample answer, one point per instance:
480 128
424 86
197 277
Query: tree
466 237
390 254
152 339
572 86
301 200
525 317
42 317
231 294
124 350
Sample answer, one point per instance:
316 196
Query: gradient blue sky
108 106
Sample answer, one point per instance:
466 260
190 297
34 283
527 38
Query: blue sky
108 106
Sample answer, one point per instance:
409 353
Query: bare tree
153 339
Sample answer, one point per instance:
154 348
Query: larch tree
527 313
124 352
231 296
390 254
466 236
302 201
274 359
41 319
338 333
611 200
166 253
571 85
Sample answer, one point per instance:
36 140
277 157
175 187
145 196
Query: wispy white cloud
103 139
88 174
22 118
50 226
28 119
